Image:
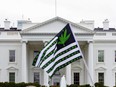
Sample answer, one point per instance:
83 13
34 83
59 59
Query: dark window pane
11 77
115 55
36 77
100 55
11 55
76 78
101 77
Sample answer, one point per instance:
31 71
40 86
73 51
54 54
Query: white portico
35 37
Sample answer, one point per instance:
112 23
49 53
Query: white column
24 63
90 78
68 74
46 77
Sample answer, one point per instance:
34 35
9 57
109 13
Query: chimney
7 24
20 23
106 24
87 23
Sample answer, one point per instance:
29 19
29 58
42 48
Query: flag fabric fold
62 50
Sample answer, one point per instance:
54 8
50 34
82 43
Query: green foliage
75 85
99 85
11 84
33 84
20 84
63 38
6 84
54 86
42 86
87 85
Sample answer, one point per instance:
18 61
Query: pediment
54 25
100 68
35 68
12 68
79 68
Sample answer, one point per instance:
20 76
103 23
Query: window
56 83
12 77
35 53
101 78
100 55
11 55
36 77
76 78
115 55
56 78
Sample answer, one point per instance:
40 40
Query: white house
18 47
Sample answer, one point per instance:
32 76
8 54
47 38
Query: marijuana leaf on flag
64 37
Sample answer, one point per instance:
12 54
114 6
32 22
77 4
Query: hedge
11 84
99 85
75 85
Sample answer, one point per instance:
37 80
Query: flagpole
84 60
55 8
88 71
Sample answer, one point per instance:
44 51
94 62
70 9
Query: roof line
53 19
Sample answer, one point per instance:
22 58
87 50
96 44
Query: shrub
11 84
43 86
20 84
73 85
8 84
100 85
33 84
54 86
87 85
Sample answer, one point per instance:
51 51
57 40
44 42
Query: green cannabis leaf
63 38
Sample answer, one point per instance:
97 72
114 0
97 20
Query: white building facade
18 47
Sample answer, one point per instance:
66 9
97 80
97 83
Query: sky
73 10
